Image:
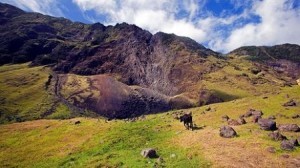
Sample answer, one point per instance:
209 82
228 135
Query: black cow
187 120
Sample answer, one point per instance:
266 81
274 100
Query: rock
233 122
277 136
241 121
253 112
255 118
227 132
290 103
208 108
225 118
272 117
271 149
267 124
257 113
149 153
287 145
295 142
295 116
77 122
249 113
289 127
285 156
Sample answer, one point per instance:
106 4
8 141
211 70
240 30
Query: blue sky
221 25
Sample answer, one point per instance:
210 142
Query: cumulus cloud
258 22
154 15
48 7
279 23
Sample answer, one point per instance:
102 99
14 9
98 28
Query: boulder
277 136
271 149
248 113
257 113
255 118
227 132
253 112
225 118
233 122
290 103
295 142
267 124
149 153
287 145
241 121
289 127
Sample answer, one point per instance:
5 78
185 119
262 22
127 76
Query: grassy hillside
98 143
24 95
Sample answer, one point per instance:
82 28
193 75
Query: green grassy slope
24 96
97 143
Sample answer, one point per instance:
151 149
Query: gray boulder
277 136
287 145
227 132
267 124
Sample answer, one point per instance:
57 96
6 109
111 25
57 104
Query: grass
100 143
24 96
116 143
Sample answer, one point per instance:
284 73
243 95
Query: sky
222 25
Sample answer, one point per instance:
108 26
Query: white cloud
154 15
279 24
48 7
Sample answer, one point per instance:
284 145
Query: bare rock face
149 153
267 124
277 136
227 132
289 127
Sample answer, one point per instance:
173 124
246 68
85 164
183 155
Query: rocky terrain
80 95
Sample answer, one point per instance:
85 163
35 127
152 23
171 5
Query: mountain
124 71
283 58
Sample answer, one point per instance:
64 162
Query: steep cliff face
162 63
